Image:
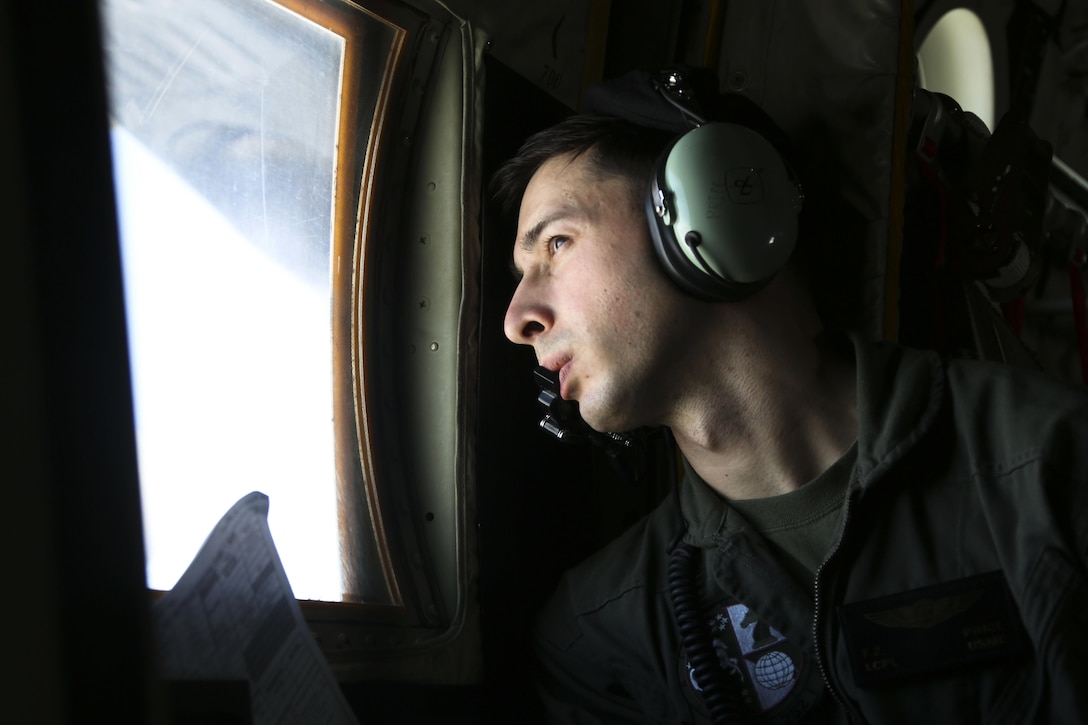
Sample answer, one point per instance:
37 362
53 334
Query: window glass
225 135
955 59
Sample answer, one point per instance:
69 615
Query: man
863 532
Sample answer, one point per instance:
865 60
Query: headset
722 204
723 211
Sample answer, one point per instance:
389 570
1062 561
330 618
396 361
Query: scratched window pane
224 133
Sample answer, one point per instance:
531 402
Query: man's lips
564 373
560 364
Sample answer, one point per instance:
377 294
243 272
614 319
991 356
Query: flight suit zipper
825 671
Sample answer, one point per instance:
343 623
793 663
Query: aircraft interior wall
74 591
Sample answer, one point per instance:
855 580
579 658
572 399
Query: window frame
378 485
371 383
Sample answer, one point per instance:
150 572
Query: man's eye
557 242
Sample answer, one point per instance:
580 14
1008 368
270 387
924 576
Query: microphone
561 418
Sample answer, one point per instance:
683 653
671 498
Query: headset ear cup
690 278
723 208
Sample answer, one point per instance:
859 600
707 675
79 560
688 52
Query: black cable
720 688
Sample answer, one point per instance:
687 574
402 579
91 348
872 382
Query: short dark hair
613 147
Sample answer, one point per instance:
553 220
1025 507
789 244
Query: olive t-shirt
801 525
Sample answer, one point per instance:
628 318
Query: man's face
592 300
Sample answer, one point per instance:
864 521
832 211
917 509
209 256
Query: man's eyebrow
531 237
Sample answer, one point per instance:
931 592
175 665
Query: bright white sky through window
232 363
225 132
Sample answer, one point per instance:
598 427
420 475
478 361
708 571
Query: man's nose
527 317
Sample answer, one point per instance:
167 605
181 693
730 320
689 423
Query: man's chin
603 411
602 421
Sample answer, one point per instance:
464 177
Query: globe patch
755 654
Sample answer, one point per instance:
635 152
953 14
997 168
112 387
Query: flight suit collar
900 391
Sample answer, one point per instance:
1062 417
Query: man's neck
775 431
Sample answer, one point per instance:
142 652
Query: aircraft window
242 131
955 59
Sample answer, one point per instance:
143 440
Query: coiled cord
719 688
